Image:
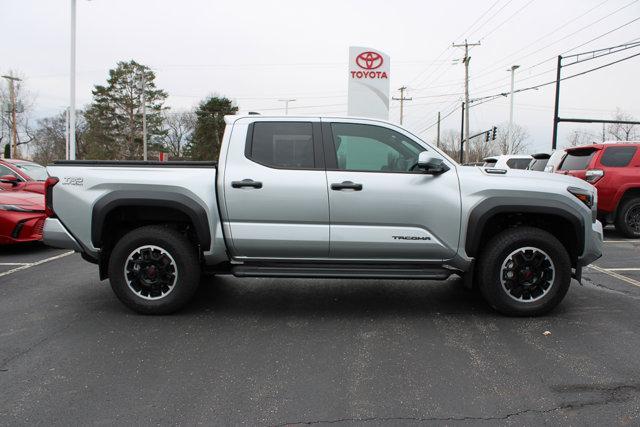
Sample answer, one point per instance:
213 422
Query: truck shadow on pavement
351 298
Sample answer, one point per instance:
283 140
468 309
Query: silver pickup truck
323 198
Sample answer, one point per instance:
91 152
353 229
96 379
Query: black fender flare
150 198
486 209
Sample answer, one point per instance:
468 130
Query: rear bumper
57 236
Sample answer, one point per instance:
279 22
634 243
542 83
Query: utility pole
14 126
143 88
465 61
72 85
462 134
286 104
510 130
603 136
402 99
438 137
66 133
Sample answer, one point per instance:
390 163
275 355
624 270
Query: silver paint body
296 215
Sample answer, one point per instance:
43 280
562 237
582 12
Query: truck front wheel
524 271
154 270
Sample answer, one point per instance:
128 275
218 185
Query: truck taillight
593 175
48 196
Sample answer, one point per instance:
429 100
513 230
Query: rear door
381 207
275 190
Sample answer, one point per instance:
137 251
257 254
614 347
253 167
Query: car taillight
48 195
593 175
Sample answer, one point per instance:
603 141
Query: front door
275 191
381 206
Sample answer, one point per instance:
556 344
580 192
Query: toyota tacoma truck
300 197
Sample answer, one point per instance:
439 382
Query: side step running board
364 272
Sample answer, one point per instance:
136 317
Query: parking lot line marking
623 269
620 241
616 275
24 266
14 263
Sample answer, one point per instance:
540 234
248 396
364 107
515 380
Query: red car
21 216
614 169
22 175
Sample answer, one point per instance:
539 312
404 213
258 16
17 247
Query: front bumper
593 245
57 236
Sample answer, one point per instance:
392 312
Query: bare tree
24 103
520 139
623 132
581 137
450 143
178 127
50 138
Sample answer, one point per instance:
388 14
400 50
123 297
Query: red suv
614 169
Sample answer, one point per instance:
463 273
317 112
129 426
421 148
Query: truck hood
524 180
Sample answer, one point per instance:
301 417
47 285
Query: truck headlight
589 198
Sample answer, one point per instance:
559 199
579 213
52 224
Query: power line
590 25
496 28
496 96
608 51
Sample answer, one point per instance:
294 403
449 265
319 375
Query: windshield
577 159
34 170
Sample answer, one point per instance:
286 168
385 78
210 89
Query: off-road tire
181 251
627 208
497 251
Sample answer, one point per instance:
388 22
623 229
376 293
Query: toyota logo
369 60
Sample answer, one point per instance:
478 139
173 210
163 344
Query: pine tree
114 118
207 136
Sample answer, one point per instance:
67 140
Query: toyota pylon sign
368 83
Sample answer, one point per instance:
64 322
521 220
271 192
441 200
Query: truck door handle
346 185
246 183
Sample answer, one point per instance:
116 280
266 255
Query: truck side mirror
9 179
431 165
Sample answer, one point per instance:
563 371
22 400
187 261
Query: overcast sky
259 51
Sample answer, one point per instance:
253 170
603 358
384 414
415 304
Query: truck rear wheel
154 270
628 220
524 271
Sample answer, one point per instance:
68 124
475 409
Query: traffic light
494 131
486 136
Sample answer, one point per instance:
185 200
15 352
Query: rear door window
282 145
577 160
518 163
538 165
618 156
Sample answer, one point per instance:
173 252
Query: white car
508 161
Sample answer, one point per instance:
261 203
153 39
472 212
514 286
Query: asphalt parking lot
278 352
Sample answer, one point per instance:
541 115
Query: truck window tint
577 160
373 148
618 156
283 144
518 163
538 165
490 163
